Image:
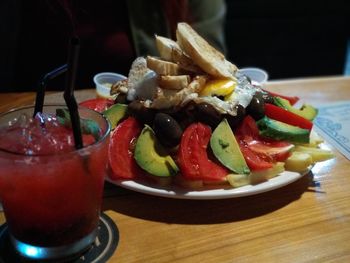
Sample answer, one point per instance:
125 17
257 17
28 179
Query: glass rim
85 148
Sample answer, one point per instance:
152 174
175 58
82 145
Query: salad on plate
189 118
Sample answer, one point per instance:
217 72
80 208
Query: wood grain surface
306 221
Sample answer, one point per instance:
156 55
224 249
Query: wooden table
306 221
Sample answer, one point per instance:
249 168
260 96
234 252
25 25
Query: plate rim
178 192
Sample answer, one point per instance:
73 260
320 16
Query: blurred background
287 38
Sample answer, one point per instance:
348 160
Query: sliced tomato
254 161
193 158
187 161
121 157
248 127
272 151
260 153
280 114
98 104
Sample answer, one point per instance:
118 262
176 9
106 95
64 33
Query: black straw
40 93
68 95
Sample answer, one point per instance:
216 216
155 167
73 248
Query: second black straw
73 57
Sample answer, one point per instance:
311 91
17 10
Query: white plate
174 191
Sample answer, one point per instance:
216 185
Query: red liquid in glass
51 199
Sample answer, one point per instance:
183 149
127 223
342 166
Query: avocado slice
281 131
226 149
307 111
116 113
151 156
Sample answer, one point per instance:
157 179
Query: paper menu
333 124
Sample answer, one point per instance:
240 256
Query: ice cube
41 135
24 121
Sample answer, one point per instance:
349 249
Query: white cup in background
258 76
103 82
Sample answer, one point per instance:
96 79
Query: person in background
112 33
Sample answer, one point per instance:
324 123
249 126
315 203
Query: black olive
256 107
234 121
265 96
207 114
141 113
185 115
121 98
167 130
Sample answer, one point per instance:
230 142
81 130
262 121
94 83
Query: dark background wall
288 38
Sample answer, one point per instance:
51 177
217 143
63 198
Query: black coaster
103 248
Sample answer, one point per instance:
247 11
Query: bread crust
162 67
174 82
203 54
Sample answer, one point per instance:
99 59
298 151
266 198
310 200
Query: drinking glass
52 202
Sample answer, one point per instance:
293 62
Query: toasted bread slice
185 62
165 47
174 82
170 50
203 54
163 67
167 98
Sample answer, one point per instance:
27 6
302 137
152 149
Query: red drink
52 193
